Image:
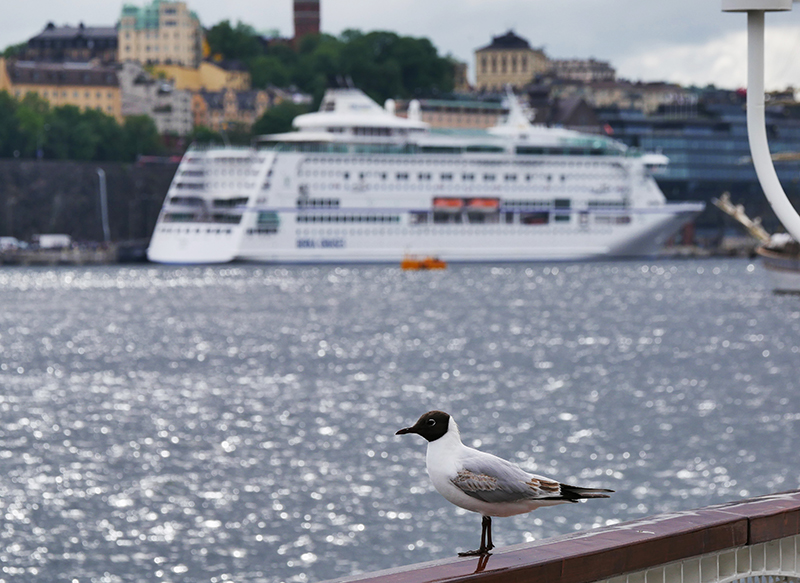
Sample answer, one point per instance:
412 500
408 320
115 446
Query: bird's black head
432 425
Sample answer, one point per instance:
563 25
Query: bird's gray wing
492 479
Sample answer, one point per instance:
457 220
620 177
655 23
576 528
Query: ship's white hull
202 243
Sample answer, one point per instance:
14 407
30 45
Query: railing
754 540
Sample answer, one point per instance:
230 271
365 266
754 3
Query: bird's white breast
443 461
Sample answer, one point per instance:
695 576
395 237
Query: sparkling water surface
237 423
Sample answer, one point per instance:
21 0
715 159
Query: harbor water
237 423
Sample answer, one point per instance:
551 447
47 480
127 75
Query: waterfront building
572 112
143 94
208 76
584 70
646 97
508 60
73 43
460 78
456 113
707 146
161 32
226 109
85 85
306 18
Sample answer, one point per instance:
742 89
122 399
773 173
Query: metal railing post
756 123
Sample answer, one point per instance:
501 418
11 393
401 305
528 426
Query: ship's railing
754 541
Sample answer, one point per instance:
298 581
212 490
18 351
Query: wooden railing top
598 554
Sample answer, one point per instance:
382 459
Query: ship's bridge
351 112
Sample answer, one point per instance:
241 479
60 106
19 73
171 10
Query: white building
142 94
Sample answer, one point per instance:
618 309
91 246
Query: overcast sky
685 41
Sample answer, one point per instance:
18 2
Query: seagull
484 483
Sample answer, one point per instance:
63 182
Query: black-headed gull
484 483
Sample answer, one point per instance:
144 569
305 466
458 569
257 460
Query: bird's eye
431 422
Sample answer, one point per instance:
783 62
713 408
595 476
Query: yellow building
208 76
84 85
225 109
161 32
509 60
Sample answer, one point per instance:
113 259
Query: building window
524 63
484 65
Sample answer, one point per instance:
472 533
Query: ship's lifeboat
488 205
411 262
448 204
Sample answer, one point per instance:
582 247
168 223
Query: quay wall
49 196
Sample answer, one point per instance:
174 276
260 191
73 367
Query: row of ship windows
335 203
558 203
227 160
190 230
508 217
220 172
421 220
350 161
464 177
416 218
348 218
449 177
203 185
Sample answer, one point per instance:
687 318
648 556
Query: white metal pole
104 205
756 126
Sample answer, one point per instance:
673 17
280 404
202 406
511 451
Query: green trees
30 128
383 64
278 119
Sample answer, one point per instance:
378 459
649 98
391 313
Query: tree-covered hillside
383 64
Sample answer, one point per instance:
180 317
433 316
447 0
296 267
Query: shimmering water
237 423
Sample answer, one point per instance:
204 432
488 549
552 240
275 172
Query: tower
306 18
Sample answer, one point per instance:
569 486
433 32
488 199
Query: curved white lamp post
756 125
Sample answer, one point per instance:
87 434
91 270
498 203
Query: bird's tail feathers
577 493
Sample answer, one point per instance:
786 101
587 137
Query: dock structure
101 255
750 541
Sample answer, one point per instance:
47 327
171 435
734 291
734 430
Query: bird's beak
405 430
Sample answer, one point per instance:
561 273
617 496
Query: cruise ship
356 183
